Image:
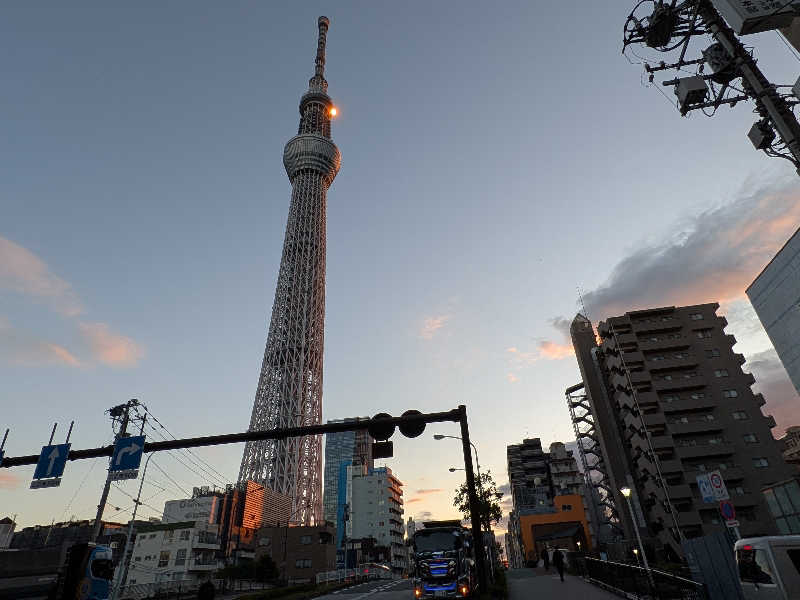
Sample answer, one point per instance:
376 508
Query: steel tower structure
289 390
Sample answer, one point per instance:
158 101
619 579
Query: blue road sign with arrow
51 465
127 457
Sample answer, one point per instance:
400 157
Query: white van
769 567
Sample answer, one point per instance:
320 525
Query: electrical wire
202 464
175 483
80 486
791 48
204 476
140 502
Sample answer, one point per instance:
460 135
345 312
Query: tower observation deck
289 390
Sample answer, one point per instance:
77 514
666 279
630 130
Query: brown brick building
671 402
299 552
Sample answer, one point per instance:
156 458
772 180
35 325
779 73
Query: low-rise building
300 553
165 552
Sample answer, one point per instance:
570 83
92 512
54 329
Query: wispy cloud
512 378
429 491
109 347
410 500
23 272
432 325
23 349
425 515
9 481
714 257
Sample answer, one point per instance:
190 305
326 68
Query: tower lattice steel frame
289 390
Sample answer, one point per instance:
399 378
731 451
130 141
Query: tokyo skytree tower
289 390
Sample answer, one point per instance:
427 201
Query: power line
175 455
175 483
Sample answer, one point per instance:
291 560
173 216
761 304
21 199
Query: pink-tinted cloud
23 272
24 349
512 378
431 325
111 348
429 491
410 500
9 481
553 351
713 257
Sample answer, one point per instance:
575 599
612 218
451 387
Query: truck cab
769 567
443 562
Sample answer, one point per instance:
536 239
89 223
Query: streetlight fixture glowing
626 491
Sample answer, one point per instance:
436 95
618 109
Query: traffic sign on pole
718 485
733 525
727 510
50 466
704 485
126 458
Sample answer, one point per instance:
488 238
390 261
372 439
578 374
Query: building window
730 394
689 375
566 507
721 373
682 355
152 535
698 396
760 463
180 557
302 563
137 559
669 399
696 317
701 467
716 441
740 415
667 378
185 534
305 540
703 333
739 490
163 559
750 438
168 535
713 353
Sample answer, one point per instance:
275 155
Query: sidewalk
524 584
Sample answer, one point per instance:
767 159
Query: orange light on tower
333 111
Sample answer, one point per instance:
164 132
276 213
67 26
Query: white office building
167 552
377 512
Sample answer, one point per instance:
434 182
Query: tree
488 500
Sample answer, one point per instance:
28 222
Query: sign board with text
50 466
126 458
704 485
753 16
718 485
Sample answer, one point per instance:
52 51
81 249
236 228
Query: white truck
769 567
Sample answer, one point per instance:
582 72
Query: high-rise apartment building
549 498
377 512
775 296
343 449
672 402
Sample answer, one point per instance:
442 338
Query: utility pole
474 505
119 413
671 28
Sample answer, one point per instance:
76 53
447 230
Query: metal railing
632 581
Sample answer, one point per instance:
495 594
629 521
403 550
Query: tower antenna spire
319 62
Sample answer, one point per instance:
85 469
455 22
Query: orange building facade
565 528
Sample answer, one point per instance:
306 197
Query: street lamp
454 469
636 554
626 491
439 436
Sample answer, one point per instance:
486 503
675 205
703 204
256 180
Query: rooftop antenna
583 307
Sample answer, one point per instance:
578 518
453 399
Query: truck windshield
435 541
102 568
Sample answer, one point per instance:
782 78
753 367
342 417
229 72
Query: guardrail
632 581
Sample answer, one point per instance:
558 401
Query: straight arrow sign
52 461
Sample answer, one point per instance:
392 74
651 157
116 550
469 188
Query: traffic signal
381 429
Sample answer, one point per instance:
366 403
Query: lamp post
439 436
636 554
626 491
454 469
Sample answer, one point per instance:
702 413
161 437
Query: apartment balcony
688 405
770 421
679 383
647 399
688 519
759 398
740 359
731 473
646 345
662 442
658 419
698 426
673 363
730 339
624 338
632 356
749 378
688 452
657 326
670 466
742 500
679 492
205 565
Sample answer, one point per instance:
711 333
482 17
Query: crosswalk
383 587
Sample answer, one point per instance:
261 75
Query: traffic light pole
474 505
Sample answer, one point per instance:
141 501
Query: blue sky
496 159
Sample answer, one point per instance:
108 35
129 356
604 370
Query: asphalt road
375 590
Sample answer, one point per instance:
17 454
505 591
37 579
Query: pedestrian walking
546 559
558 562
